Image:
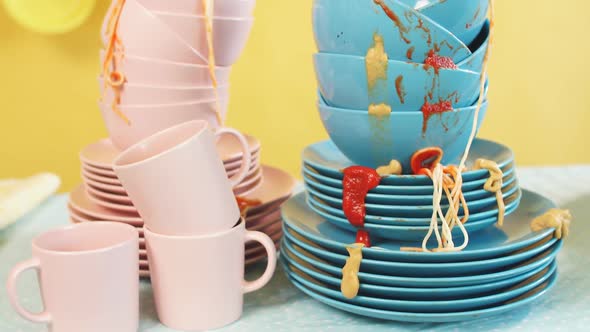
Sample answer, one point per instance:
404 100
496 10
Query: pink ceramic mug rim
188 103
119 160
133 235
241 226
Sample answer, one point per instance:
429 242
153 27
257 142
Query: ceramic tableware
479 46
105 196
275 189
491 242
326 159
88 278
138 94
507 306
143 34
310 174
422 269
373 198
221 8
464 19
145 121
208 293
80 202
140 70
177 181
343 83
230 34
408 34
391 279
400 134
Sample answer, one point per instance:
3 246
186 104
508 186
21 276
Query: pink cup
140 70
139 94
143 34
148 120
221 8
229 34
199 282
88 277
177 181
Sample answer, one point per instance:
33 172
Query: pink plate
76 219
110 205
100 154
276 188
255 258
80 203
105 196
254 167
235 165
100 178
108 188
263 221
99 171
230 151
245 190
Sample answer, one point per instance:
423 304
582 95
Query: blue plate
435 282
329 161
337 217
420 269
373 141
348 26
507 306
372 198
310 173
423 306
413 293
410 211
342 80
463 19
488 243
475 61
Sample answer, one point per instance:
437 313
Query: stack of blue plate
502 267
400 208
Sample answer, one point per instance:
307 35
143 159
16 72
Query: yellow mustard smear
350 284
376 62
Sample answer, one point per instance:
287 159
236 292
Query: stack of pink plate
102 197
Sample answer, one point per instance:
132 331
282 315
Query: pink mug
198 281
178 183
221 8
88 277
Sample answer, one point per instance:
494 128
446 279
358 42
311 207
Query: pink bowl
148 71
221 8
229 34
143 34
148 120
138 94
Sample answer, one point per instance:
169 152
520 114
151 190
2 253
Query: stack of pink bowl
158 53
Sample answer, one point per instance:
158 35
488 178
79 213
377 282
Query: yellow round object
50 16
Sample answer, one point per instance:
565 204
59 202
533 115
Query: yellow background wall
540 84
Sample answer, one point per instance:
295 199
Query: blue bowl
475 61
463 19
374 141
348 27
342 81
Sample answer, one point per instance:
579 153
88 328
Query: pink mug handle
33 263
271 251
246 158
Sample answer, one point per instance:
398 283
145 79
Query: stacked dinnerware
397 77
166 81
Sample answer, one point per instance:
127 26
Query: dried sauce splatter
399 88
410 53
429 110
395 19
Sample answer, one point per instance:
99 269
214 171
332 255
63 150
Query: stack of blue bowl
502 267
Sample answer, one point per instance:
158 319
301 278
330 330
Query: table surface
281 307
